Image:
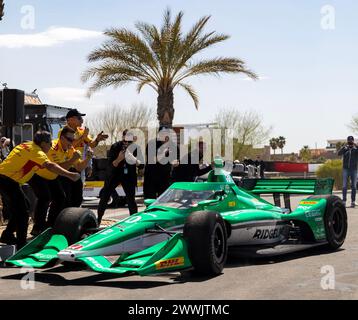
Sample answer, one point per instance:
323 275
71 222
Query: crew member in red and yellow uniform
83 143
47 186
18 168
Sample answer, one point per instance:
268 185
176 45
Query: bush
332 169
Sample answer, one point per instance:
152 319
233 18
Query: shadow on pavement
96 280
236 260
55 277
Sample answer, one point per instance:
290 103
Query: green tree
274 144
247 127
353 125
161 58
305 154
332 169
281 142
114 119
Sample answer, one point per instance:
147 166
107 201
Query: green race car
192 226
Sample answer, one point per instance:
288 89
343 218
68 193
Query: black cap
350 138
74 113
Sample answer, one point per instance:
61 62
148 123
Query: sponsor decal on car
313 213
308 203
169 263
95 262
232 204
268 233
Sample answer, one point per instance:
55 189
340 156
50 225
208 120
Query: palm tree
281 142
2 5
274 144
160 58
305 153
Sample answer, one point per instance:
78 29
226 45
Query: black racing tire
73 223
335 222
206 237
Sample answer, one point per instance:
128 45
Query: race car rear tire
206 236
73 223
335 221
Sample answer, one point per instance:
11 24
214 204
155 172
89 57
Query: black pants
18 207
5 208
154 185
128 183
50 194
73 191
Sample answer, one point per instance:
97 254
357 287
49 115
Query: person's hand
89 153
86 132
76 156
101 137
121 155
74 176
175 163
89 172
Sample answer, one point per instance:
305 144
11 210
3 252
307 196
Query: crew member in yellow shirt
84 143
18 168
47 186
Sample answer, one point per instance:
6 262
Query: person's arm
55 168
131 159
81 139
83 164
342 151
199 172
100 137
69 163
119 159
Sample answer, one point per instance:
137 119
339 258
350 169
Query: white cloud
65 94
51 37
72 97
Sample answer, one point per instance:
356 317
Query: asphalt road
294 276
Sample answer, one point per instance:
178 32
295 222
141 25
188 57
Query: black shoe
8 238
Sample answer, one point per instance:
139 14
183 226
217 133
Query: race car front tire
73 223
206 236
335 221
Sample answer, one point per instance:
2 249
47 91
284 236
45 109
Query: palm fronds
2 6
159 57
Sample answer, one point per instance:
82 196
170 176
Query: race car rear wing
276 187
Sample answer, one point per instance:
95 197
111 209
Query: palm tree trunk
165 108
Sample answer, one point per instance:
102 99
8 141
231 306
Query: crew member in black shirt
122 169
159 164
187 171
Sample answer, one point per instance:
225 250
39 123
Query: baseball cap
129 136
74 113
350 138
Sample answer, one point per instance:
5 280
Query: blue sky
308 88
